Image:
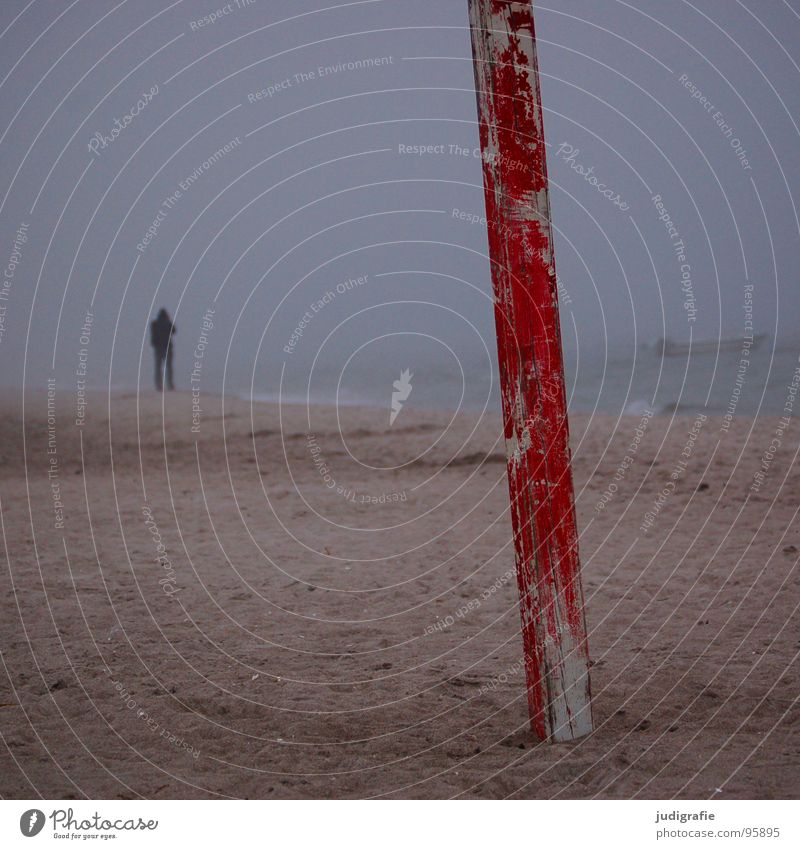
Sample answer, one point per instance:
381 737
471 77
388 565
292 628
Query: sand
335 616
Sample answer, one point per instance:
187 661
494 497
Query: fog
266 178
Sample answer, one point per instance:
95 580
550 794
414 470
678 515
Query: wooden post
531 368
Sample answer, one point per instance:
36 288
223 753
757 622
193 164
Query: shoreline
634 409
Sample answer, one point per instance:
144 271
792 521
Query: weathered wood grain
531 368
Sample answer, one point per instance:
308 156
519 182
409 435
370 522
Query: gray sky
315 191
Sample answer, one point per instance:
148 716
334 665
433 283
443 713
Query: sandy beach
278 602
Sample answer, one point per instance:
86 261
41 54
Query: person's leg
159 371
170 382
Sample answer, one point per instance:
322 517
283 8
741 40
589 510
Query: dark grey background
317 192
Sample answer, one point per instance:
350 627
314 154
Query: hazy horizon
269 160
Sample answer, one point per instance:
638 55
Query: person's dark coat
161 332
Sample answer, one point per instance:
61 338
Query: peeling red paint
531 368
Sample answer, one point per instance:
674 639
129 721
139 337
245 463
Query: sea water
717 383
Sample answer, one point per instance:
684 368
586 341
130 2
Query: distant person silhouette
161 332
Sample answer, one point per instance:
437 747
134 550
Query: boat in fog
671 348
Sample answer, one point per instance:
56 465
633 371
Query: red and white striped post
531 368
